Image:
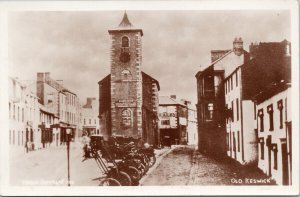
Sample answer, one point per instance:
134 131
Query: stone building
90 117
211 97
63 102
128 100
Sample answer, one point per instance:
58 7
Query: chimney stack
238 46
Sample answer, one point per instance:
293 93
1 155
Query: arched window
125 41
126 118
126 74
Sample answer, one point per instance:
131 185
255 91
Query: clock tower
126 79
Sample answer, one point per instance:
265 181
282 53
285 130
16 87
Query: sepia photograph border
14 6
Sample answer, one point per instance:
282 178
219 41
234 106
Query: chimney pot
173 96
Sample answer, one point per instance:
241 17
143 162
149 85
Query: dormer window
125 41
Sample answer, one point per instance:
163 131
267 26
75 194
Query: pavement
48 166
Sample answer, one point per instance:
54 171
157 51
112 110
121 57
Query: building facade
274 125
270 62
192 124
23 114
177 121
128 98
62 102
211 98
47 133
90 117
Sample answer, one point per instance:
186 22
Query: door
285 173
269 145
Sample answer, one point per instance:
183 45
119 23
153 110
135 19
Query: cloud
75 46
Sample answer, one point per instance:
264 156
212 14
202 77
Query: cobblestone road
183 167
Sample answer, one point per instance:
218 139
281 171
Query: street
184 166
177 166
48 167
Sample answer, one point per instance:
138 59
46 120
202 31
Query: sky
75 46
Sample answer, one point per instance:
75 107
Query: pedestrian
32 145
26 147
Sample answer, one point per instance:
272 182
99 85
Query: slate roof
125 26
166 100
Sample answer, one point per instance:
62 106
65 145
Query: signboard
182 121
47 125
126 103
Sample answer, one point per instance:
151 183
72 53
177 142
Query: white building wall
249 136
23 112
90 117
167 113
277 135
192 127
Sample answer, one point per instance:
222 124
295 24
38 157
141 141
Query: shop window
280 108
125 41
271 121
261 119
165 122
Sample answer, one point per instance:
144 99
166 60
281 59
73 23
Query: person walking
26 147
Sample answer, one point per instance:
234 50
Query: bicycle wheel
124 178
143 169
109 182
134 173
152 159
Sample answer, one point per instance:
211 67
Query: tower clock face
124 57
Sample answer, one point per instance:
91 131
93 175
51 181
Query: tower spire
125 21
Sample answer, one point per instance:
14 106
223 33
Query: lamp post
68 132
